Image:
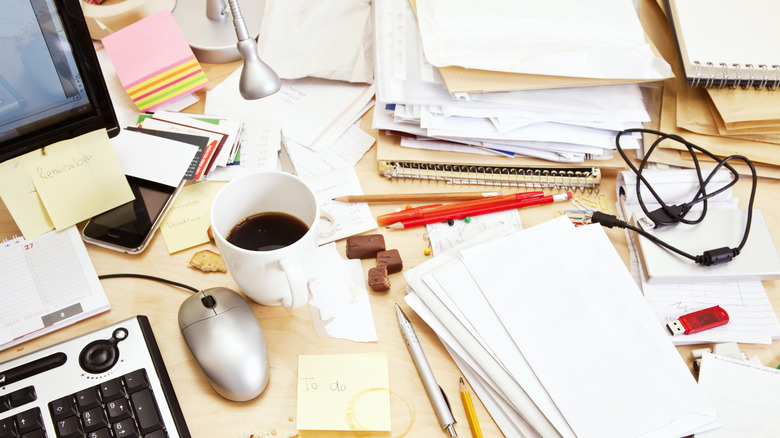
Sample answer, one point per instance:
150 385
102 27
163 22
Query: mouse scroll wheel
209 301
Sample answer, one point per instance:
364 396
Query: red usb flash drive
698 321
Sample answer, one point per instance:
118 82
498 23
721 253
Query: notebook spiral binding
709 75
11 241
583 179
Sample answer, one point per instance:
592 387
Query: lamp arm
257 78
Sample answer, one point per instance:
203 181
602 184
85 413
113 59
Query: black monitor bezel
102 114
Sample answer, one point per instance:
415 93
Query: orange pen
409 213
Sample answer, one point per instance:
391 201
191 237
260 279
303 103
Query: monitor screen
51 86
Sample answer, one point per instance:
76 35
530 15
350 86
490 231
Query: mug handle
299 292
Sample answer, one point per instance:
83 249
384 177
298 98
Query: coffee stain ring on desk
351 417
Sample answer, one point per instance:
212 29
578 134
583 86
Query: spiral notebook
48 283
396 161
722 43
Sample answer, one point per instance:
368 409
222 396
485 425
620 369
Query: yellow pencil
476 432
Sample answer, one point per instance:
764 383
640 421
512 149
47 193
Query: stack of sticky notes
153 61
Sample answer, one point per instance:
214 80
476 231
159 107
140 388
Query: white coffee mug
279 276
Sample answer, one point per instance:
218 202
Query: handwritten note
316 112
186 223
343 392
22 200
64 183
78 178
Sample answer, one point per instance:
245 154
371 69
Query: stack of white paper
552 332
564 125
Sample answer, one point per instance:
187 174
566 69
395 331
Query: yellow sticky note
19 195
78 178
343 392
187 220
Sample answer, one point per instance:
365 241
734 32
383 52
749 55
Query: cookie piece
390 258
207 261
365 246
377 279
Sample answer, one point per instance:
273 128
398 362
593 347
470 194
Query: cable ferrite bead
717 256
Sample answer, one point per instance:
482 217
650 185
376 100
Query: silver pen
438 399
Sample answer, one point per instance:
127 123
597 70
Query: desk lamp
212 39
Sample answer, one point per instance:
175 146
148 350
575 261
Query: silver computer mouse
225 338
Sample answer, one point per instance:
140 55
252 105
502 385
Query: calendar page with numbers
48 282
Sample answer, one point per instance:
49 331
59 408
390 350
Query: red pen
479 209
426 210
409 213
458 206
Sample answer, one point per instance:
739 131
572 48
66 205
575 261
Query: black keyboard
111 383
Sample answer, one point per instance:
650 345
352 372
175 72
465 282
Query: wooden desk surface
290 333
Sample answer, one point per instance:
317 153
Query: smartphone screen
129 227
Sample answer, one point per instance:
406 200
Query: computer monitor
51 85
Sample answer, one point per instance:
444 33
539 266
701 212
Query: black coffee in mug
267 231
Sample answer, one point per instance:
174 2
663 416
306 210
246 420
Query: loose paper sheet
153 158
350 218
316 38
316 112
339 298
262 136
515 36
744 394
343 392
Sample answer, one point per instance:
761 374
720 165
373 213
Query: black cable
672 214
149 277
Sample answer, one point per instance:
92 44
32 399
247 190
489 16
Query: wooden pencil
412 197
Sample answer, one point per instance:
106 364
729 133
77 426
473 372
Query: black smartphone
130 227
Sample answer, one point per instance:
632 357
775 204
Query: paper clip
603 203
580 204
578 217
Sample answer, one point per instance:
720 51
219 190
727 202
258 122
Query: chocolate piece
390 258
377 279
364 247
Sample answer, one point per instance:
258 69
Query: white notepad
758 260
721 42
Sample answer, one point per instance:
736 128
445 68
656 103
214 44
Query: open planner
48 283
721 43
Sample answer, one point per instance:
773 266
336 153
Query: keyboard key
146 413
22 396
125 429
88 398
100 433
136 381
93 419
5 403
29 420
7 428
159 433
37 433
112 389
62 407
69 428
117 410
